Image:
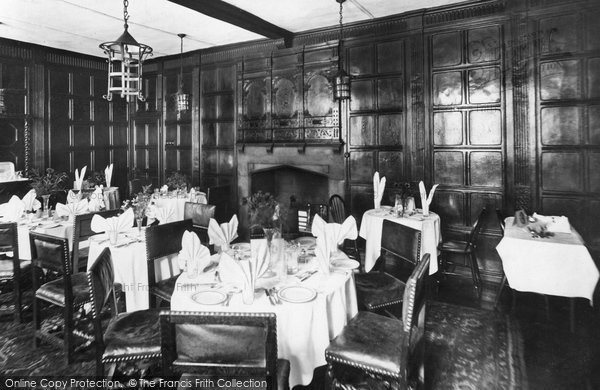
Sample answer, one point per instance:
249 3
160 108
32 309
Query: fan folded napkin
79 178
378 189
108 174
118 224
13 209
329 236
164 213
192 195
222 234
554 224
30 203
97 199
72 209
164 188
426 200
73 197
193 256
247 270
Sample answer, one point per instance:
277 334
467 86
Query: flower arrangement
48 183
263 209
139 204
177 180
95 179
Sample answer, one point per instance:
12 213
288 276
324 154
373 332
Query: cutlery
229 295
275 296
308 275
271 297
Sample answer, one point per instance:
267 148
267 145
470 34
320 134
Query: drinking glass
46 199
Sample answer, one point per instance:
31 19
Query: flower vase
272 234
46 201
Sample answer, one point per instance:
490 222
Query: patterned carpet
467 349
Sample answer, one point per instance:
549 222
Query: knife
271 297
308 275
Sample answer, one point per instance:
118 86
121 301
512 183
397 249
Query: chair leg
572 319
99 346
36 321
474 274
68 333
18 300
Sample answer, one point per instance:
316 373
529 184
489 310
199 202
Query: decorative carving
522 198
520 81
27 145
454 14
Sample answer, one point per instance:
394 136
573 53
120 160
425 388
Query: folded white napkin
118 224
245 271
164 188
193 255
192 195
164 213
13 209
378 189
71 209
97 199
323 253
554 224
30 203
79 178
336 233
73 197
108 174
426 200
222 234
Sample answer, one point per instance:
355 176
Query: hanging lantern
183 99
125 57
341 86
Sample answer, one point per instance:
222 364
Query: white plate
306 241
297 294
345 264
241 246
209 297
49 224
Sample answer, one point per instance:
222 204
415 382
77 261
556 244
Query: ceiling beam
226 12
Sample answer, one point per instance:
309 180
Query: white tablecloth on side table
177 202
372 225
60 229
304 330
559 265
129 261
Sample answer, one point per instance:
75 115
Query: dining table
311 307
372 224
555 264
176 201
53 226
130 265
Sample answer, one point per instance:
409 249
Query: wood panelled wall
498 101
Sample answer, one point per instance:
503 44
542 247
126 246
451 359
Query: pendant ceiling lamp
183 99
125 57
341 90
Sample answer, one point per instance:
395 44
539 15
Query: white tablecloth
63 230
177 202
372 224
130 267
559 265
304 330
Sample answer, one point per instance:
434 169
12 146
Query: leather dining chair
201 345
381 289
129 336
467 249
338 214
220 196
82 231
161 241
68 291
378 352
200 214
10 267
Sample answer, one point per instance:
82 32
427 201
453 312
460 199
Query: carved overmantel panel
289 100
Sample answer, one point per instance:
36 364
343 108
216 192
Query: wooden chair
338 213
200 214
82 231
10 267
163 240
220 345
129 336
112 198
220 197
382 288
135 186
466 249
377 352
69 291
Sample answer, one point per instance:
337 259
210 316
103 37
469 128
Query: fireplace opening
294 188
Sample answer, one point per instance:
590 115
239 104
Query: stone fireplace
294 178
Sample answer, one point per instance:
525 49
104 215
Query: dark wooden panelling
447 88
362 166
390 94
391 130
561 125
362 130
485 127
484 85
360 60
447 128
447 49
561 171
560 79
448 168
486 169
362 95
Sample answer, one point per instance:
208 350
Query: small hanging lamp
183 99
341 87
125 57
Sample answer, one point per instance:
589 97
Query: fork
229 295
